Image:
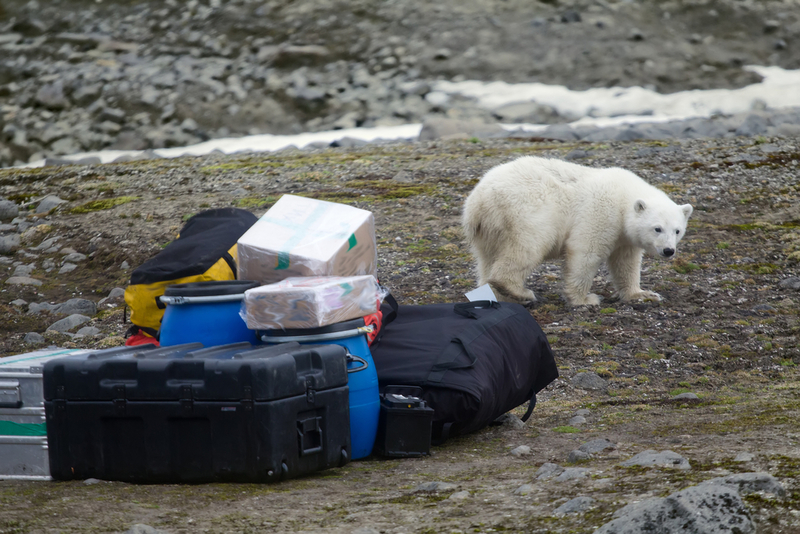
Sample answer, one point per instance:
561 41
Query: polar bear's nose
669 252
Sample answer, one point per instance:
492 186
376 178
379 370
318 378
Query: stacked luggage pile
249 359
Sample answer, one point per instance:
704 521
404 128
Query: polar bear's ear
639 206
687 210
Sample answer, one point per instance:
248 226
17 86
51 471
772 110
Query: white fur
536 209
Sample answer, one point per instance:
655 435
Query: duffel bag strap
392 315
465 308
531 406
463 341
231 264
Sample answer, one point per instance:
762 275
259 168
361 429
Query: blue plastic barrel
205 312
362 378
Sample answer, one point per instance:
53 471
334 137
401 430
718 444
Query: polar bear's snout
667 252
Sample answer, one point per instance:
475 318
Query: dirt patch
726 331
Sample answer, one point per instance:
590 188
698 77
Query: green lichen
103 204
254 203
566 429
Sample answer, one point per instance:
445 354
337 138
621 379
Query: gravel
78 76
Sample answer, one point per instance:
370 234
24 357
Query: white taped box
301 236
310 302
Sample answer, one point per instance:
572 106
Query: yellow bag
204 251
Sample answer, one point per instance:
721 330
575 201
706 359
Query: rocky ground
84 75
709 374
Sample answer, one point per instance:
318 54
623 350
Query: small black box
404 426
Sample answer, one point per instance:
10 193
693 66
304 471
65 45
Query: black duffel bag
475 361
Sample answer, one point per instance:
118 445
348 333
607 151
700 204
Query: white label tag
482 293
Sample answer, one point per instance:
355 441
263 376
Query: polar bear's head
660 225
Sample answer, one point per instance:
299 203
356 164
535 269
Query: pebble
47 244
548 470
23 281
33 338
686 396
578 456
37 307
574 506
24 270
141 528
578 420
68 323
522 450
9 243
115 298
8 210
572 473
67 268
76 305
744 457
74 257
597 445
590 381
88 331
523 490
790 283
511 421
652 458
47 203
436 486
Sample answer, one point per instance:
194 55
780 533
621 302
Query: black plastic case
404 426
176 415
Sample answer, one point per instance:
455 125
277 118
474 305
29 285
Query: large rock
68 323
713 507
73 306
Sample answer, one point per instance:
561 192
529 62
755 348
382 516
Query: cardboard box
310 302
305 237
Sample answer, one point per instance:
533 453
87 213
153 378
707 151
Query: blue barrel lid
210 288
336 327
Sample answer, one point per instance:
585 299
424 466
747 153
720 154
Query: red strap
141 339
375 320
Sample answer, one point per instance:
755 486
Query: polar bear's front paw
589 299
643 295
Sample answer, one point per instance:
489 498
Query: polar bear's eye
677 232
658 229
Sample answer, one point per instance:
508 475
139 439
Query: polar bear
535 209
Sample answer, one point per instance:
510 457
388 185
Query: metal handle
201 300
361 330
